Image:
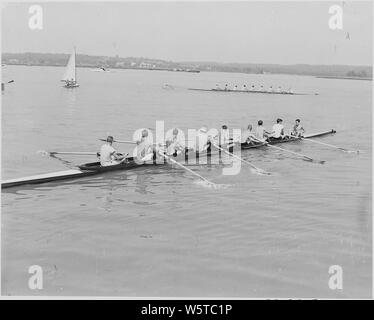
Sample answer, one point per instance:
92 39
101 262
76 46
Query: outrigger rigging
94 168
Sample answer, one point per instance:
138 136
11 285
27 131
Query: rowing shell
95 168
249 91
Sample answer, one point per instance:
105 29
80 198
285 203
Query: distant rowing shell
248 91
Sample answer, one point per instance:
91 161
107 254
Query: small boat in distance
70 75
101 69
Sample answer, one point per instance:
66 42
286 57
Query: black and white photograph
186 150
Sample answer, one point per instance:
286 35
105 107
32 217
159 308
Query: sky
246 32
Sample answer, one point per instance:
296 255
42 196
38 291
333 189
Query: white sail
70 72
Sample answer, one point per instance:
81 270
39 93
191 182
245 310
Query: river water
158 231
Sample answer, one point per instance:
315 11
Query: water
159 231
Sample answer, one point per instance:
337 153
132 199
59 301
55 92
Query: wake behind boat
130 163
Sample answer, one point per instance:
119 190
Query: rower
297 129
278 130
174 144
145 150
235 88
203 140
290 91
225 135
279 90
253 88
108 155
244 88
217 87
271 89
226 87
262 89
261 134
249 136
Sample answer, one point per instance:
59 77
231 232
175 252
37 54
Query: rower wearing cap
108 155
278 130
297 129
175 145
145 150
225 135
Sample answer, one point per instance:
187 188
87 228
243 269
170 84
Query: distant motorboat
102 69
70 75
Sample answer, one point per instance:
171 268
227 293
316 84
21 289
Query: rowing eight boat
95 168
249 91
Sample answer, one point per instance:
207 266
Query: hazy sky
258 32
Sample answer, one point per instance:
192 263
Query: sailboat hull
71 85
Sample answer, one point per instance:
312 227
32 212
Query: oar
120 141
259 170
297 154
185 168
51 153
332 146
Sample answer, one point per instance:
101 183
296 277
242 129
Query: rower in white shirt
279 90
244 88
145 150
175 143
278 130
202 139
249 136
261 134
253 88
225 135
108 155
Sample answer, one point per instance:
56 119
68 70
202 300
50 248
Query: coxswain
278 130
108 155
297 129
261 134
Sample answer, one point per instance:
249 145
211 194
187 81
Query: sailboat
70 75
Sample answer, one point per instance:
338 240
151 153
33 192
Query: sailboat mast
75 66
